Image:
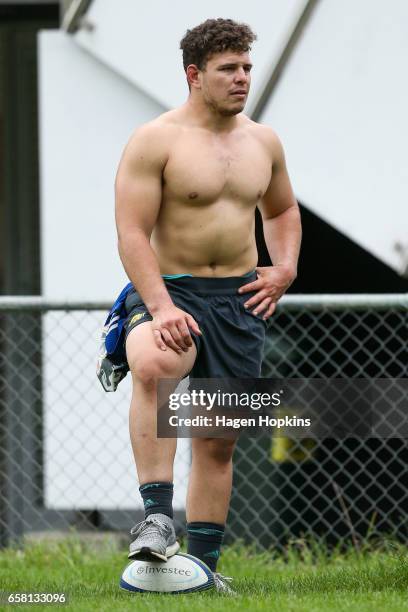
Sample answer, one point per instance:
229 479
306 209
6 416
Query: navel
193 195
260 194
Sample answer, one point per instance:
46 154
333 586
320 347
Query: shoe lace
221 583
147 526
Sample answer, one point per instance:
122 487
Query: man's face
225 82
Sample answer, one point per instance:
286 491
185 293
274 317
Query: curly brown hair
215 36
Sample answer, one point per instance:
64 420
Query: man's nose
240 75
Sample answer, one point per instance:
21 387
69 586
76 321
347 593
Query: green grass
306 578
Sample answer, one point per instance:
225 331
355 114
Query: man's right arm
138 193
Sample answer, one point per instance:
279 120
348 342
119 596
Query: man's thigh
147 361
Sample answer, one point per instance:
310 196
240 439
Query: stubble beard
230 112
224 111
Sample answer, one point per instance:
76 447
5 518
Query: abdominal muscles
216 238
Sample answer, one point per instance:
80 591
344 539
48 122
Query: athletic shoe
221 584
155 539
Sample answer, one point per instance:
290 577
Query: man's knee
219 450
149 369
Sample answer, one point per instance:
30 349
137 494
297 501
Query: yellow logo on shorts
137 317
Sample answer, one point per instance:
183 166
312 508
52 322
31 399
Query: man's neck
204 116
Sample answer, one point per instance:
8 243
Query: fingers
254 286
270 311
267 306
262 306
164 338
176 334
181 333
193 325
185 335
159 340
183 329
177 337
170 341
261 302
256 299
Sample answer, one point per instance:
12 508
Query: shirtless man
186 191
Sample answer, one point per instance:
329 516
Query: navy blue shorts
232 341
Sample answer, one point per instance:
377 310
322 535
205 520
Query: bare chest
201 171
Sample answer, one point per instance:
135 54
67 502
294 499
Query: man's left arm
283 232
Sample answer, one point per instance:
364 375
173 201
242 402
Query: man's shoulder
265 133
155 130
153 139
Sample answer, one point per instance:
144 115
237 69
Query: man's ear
193 79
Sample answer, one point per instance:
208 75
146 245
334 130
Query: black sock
157 497
204 541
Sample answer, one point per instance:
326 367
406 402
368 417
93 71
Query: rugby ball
182 573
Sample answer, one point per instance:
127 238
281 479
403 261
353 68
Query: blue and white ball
182 573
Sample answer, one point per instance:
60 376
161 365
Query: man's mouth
239 92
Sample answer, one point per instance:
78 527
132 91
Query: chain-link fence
65 456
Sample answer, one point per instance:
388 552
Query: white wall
87 114
341 111
140 40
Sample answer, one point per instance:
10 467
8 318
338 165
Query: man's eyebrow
233 64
